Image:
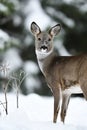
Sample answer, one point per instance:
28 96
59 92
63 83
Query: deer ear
35 29
55 30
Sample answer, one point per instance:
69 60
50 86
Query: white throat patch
43 54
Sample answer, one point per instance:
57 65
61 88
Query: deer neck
44 59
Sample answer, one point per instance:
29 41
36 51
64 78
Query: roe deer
62 73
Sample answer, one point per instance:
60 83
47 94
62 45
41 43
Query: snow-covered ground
36 112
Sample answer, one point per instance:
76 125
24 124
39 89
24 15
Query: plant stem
6 103
17 98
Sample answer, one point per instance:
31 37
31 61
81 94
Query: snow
31 67
67 1
35 113
83 8
3 8
61 49
32 83
12 58
4 37
68 21
17 20
16 4
36 14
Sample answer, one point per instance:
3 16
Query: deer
65 75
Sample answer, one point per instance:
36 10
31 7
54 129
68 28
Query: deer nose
45 42
44 47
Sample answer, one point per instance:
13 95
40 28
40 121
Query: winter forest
22 85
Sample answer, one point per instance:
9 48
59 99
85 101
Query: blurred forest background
18 62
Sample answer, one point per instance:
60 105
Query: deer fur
65 75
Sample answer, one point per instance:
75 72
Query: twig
3 105
4 68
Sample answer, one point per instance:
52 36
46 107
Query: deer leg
56 105
65 102
84 89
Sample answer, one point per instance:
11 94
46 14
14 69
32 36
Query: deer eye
49 39
39 39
